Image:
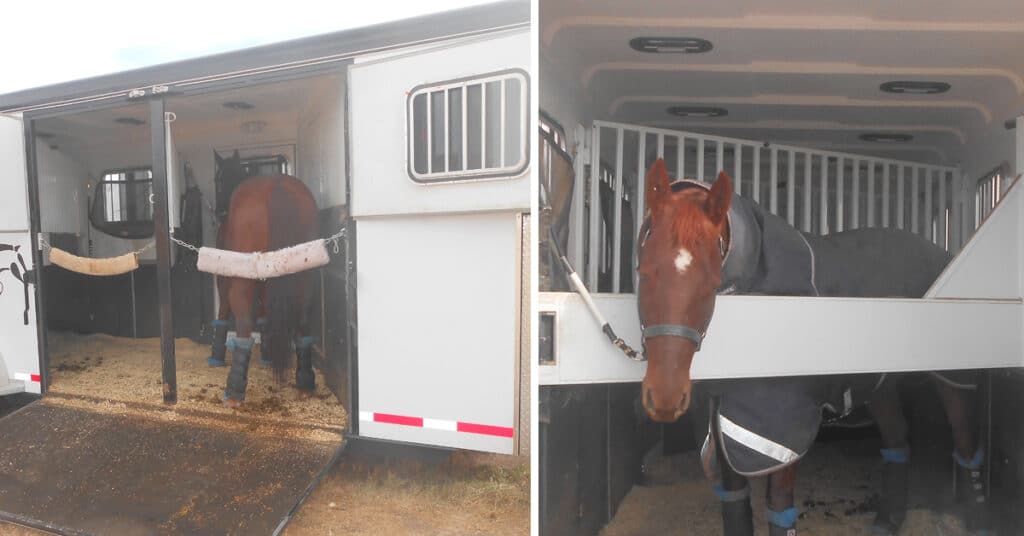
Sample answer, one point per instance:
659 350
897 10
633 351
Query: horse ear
717 205
235 155
657 185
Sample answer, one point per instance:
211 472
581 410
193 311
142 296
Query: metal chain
184 244
43 244
334 238
140 251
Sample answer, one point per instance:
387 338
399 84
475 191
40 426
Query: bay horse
699 241
263 213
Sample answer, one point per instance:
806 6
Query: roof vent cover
670 45
915 87
697 111
886 137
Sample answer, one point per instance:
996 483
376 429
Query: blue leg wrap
785 519
304 342
973 463
901 455
243 344
219 347
725 495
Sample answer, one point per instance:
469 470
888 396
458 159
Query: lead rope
581 289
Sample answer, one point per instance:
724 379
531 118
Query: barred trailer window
126 195
987 195
472 128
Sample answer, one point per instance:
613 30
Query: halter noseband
674 330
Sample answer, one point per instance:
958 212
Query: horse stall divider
161 230
836 187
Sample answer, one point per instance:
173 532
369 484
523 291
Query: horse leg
734 494
220 326
887 410
968 454
305 380
781 509
262 324
241 295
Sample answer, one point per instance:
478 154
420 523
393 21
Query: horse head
230 173
682 246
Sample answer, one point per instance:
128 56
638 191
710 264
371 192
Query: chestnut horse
263 213
684 245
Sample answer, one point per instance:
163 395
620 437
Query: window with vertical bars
466 129
126 195
987 194
121 203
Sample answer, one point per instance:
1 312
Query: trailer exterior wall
19 345
437 264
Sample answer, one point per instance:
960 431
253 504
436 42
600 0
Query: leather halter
680 330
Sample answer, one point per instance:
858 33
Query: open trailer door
439 141
19 345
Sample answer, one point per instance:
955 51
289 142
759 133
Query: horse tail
288 218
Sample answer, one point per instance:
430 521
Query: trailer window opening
987 193
126 194
469 129
256 166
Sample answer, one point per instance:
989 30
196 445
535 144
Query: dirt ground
835 498
468 494
465 494
461 493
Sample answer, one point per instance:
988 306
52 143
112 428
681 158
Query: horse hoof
305 394
215 362
231 402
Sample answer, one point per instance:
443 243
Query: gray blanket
767 423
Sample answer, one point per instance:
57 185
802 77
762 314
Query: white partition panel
808 336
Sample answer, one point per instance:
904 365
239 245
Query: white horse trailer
831 116
412 136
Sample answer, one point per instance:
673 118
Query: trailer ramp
79 466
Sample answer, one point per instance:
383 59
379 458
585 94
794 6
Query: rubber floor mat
123 474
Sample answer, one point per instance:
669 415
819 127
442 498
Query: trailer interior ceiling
799 72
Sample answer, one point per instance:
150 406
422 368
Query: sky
47 42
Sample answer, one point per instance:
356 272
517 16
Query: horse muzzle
659 411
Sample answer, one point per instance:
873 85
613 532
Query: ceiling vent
697 111
916 88
129 121
886 137
670 45
238 105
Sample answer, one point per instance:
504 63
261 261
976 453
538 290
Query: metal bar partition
830 198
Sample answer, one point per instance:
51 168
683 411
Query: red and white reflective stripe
437 424
27 377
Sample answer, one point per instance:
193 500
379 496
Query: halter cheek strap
674 330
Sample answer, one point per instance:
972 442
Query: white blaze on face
683 260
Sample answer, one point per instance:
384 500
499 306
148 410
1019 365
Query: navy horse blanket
764 424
